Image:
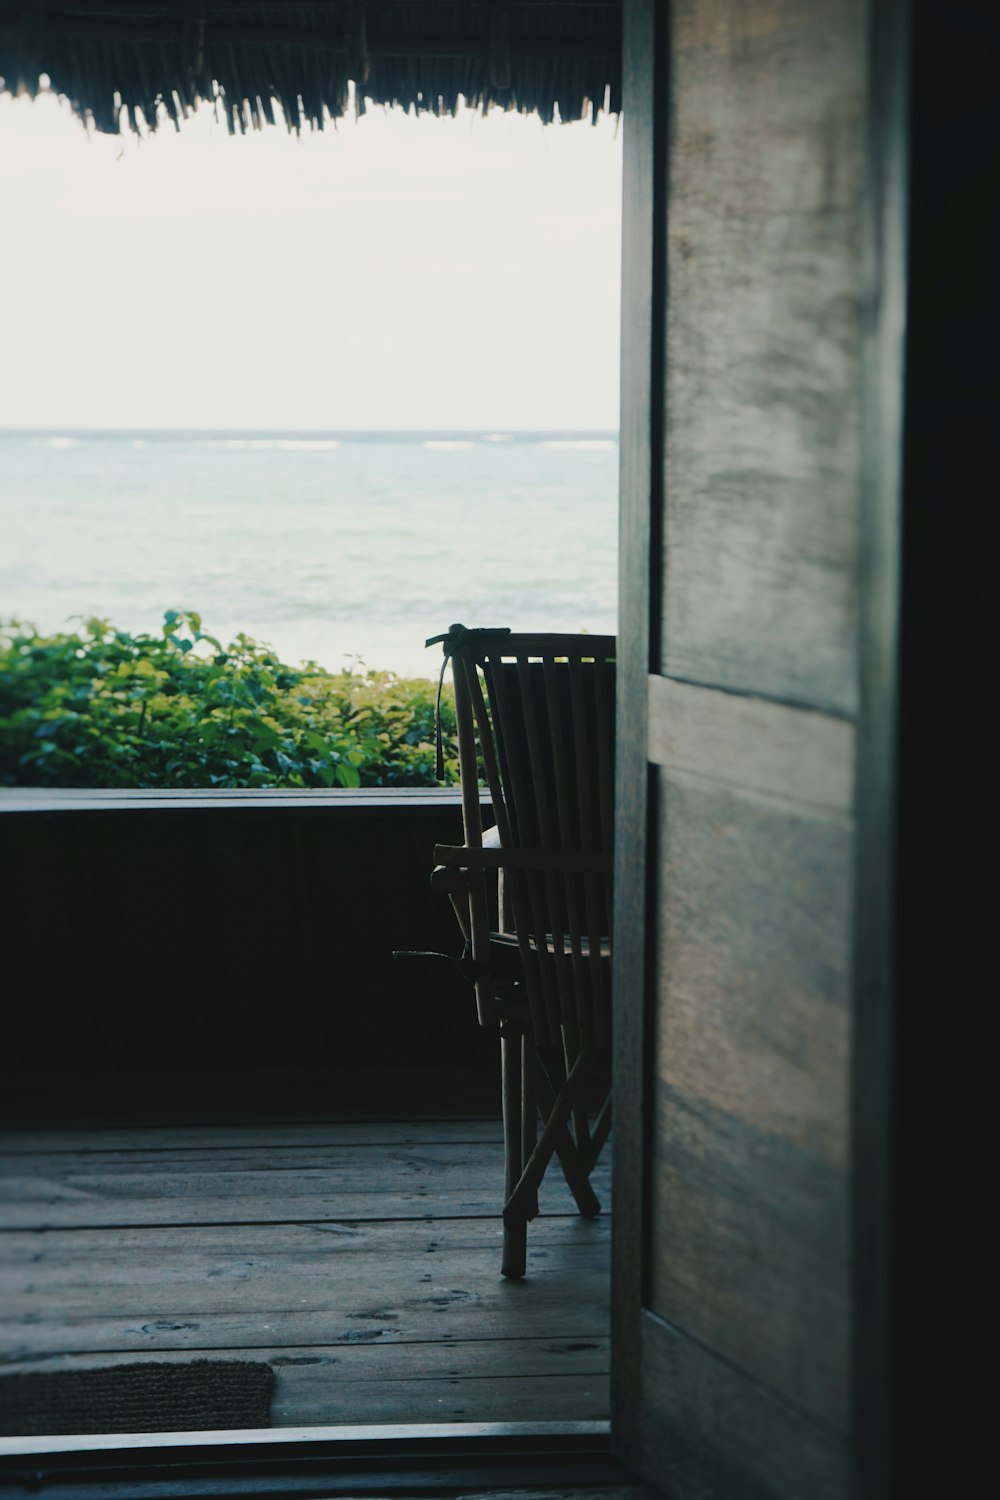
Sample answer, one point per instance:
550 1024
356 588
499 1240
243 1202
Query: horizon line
478 430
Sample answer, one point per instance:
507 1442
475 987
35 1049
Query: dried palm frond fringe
264 60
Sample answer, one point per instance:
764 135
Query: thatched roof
105 55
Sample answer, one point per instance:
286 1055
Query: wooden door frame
422 1459
640 500
883 381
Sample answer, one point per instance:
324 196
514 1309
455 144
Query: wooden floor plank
355 1159
529 1379
362 1259
85 1211
528 1398
243 1287
183 1138
444 1313
419 1181
475 1358
129 1255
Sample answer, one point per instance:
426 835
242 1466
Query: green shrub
107 709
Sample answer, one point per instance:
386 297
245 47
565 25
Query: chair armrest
450 878
493 858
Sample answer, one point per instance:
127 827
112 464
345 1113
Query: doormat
198 1395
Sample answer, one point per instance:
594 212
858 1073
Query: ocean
333 547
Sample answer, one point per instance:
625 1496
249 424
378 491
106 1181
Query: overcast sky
393 273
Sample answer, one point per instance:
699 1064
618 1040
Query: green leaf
206 720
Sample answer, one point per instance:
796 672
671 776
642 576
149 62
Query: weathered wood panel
643 266
528 1379
180 1141
771 631
257 1286
749 1201
763 340
752 743
715 1433
361 1182
754 960
752 1252
395 1313
747 1363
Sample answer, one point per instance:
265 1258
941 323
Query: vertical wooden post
640 502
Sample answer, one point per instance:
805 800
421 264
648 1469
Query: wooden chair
535 716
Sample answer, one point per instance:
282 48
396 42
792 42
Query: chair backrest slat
465 724
494 779
538 791
562 760
604 689
543 717
585 769
512 753
507 726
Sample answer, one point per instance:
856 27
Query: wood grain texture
754 960
874 1090
791 753
341 1184
780 492
529 1379
179 1142
396 1313
749 1196
643 260
752 1252
715 1433
763 336
255 1286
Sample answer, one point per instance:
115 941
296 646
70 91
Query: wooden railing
214 941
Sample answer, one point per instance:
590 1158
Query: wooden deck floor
360 1259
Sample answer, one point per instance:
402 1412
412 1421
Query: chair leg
514 1261
581 1129
576 1169
515 1234
600 1133
529 1114
525 1153
555 1138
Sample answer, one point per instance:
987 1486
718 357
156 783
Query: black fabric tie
449 643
